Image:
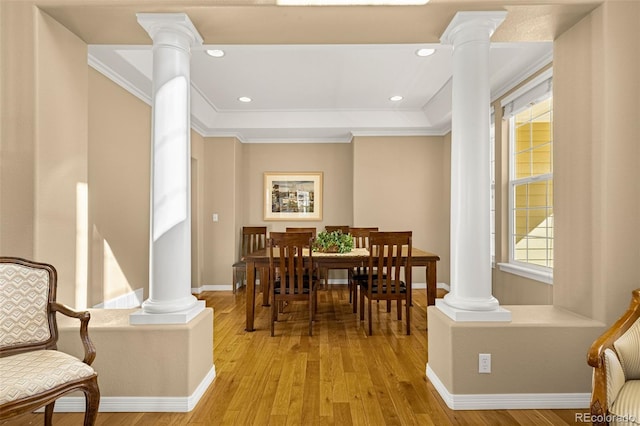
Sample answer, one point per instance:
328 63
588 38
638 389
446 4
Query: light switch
215 217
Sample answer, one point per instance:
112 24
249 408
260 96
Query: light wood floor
340 376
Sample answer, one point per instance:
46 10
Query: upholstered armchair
615 358
33 373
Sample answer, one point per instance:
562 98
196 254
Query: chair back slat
361 236
254 238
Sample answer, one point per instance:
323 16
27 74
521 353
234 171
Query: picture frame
293 196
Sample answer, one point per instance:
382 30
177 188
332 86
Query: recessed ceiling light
425 52
216 53
396 98
244 99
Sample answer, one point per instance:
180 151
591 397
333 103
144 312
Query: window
530 118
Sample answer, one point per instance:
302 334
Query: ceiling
317 74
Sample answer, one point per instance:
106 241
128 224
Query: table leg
265 286
251 294
431 283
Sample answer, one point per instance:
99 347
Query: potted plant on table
333 242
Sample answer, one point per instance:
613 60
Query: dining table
259 261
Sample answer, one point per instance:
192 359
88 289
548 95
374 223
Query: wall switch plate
215 217
484 363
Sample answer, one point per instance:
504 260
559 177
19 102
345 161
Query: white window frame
538 89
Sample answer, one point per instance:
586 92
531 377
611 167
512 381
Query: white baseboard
140 404
511 401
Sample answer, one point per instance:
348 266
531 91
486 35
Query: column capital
172 23
472 26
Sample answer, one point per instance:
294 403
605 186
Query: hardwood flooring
339 376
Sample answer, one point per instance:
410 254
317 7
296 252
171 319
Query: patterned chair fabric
24 297
34 373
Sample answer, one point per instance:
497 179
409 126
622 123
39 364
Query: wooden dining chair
291 272
302 229
386 257
253 238
360 237
344 229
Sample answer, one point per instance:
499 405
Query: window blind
531 93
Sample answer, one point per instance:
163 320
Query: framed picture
293 196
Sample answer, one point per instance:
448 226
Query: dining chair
253 238
360 237
302 229
324 274
343 229
386 257
291 272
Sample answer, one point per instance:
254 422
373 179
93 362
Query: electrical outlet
484 363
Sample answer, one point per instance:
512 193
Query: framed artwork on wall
293 196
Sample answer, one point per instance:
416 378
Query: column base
462 315
180 317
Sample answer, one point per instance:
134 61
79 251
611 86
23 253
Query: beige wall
220 191
119 176
17 136
597 198
334 160
399 184
61 156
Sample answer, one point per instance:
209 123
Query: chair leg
274 314
266 287
361 305
311 304
408 304
92 403
399 309
355 297
48 414
370 318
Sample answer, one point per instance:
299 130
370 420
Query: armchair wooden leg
92 401
48 414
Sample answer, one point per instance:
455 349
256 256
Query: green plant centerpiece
333 242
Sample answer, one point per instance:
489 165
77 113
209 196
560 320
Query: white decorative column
170 299
470 297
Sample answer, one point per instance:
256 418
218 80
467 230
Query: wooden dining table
259 261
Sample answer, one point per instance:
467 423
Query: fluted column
170 295
470 292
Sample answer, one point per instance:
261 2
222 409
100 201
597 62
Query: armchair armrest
596 357
84 317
